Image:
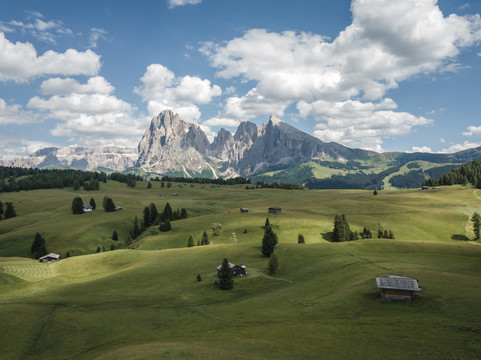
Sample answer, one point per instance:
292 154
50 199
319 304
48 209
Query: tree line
197 180
17 179
469 173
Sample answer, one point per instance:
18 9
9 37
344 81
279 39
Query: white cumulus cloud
424 149
460 147
388 42
473 131
20 61
89 113
14 114
161 89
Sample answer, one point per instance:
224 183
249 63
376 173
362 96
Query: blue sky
384 75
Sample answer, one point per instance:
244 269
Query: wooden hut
244 210
237 270
275 210
397 288
49 257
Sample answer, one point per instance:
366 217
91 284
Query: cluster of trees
343 232
124 178
412 179
274 185
16 179
38 248
7 212
468 173
198 180
77 205
152 217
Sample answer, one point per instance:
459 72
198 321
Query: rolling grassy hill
147 304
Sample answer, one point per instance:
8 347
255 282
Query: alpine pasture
146 302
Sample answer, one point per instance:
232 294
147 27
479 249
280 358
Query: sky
383 75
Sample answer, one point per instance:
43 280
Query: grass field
147 304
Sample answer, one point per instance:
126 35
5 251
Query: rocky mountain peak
274 120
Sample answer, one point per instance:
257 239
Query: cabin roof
396 282
51 255
231 266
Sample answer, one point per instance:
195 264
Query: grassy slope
147 304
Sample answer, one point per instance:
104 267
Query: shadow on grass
328 236
459 237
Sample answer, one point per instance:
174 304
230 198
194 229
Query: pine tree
1 210
115 236
154 214
67 255
135 230
77 205
226 278
379 231
149 185
183 213
300 239
205 239
273 264
269 241
267 223
190 242
98 249
165 226
92 203
476 219
147 222
108 204
168 215
9 210
199 277
341 231
38 248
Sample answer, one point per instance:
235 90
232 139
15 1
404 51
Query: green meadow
146 303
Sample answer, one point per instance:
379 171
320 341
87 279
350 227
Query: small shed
49 258
244 210
397 288
118 208
237 270
424 187
87 207
275 210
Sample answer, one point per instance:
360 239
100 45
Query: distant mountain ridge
270 152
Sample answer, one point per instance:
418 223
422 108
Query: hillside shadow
459 237
328 236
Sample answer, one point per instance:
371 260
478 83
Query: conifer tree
1 210
300 239
168 215
115 236
165 226
77 205
269 241
67 255
190 242
108 204
273 264
341 231
183 213
205 239
149 185
92 203
154 214
38 248
147 222
226 278
267 223
476 219
136 229
9 210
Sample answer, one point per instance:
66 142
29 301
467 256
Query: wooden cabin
244 210
397 288
49 258
87 207
275 210
237 270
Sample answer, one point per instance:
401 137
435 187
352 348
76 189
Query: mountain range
275 151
